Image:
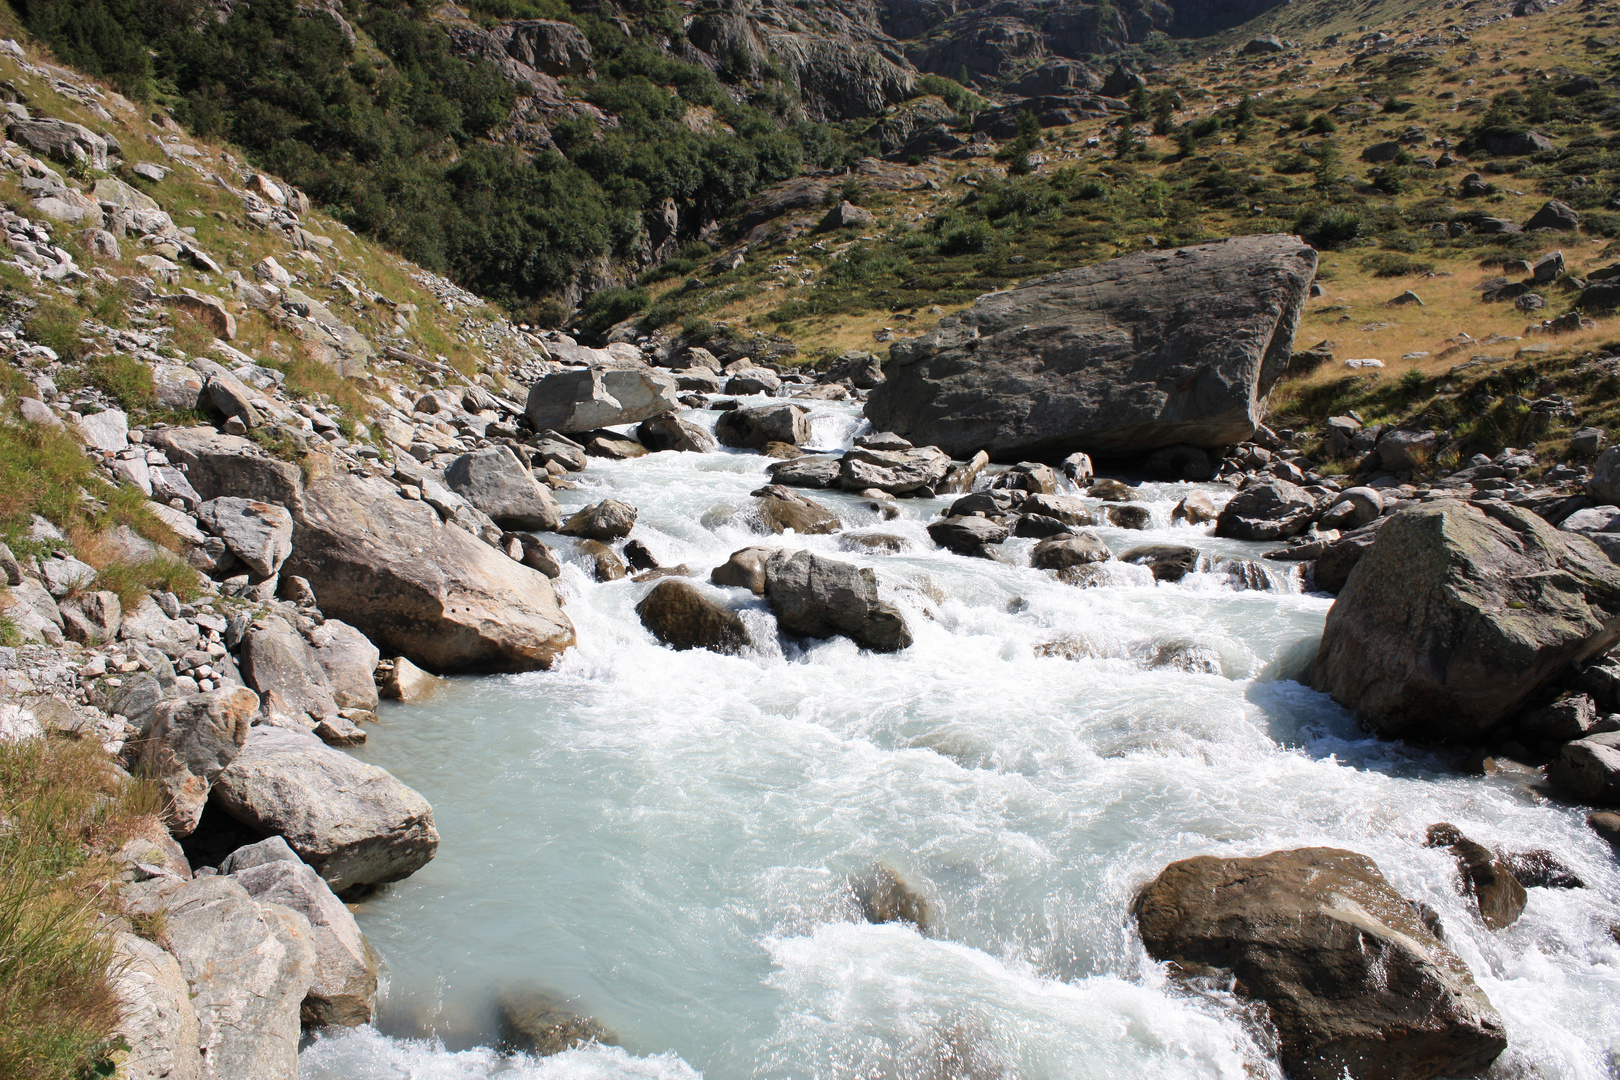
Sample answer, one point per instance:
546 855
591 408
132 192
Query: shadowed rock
819 598
680 616
535 1021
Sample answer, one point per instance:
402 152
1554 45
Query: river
667 839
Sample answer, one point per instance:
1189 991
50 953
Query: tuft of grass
190 335
134 580
65 810
56 326
42 471
123 378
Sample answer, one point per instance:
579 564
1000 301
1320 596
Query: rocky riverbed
634 711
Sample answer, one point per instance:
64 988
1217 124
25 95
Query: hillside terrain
318 313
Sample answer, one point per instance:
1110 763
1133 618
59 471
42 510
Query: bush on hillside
1329 229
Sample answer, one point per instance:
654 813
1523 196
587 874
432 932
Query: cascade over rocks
818 597
1354 981
1457 613
1149 350
418 587
1486 876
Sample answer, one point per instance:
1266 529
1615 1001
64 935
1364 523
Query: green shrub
957 96
394 140
1090 189
607 308
1329 229
57 326
123 378
972 238
1391 264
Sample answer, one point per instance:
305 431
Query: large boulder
1149 350
496 482
420 588
670 432
1604 484
538 1022
782 509
1356 985
278 663
344 992
1589 769
1457 613
1270 510
751 429
157 1021
973 535
227 465
258 533
349 660
605 521
916 471
819 598
249 965
682 617
354 823
191 742
585 399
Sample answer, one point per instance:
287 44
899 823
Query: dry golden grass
65 811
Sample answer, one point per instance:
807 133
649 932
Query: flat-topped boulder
354 823
586 399
1145 351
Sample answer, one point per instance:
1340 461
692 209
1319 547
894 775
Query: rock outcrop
191 742
344 991
498 484
1145 351
1457 613
420 588
1355 983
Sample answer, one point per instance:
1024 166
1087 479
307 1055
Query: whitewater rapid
667 838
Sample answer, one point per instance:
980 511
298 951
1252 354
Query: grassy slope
1084 205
